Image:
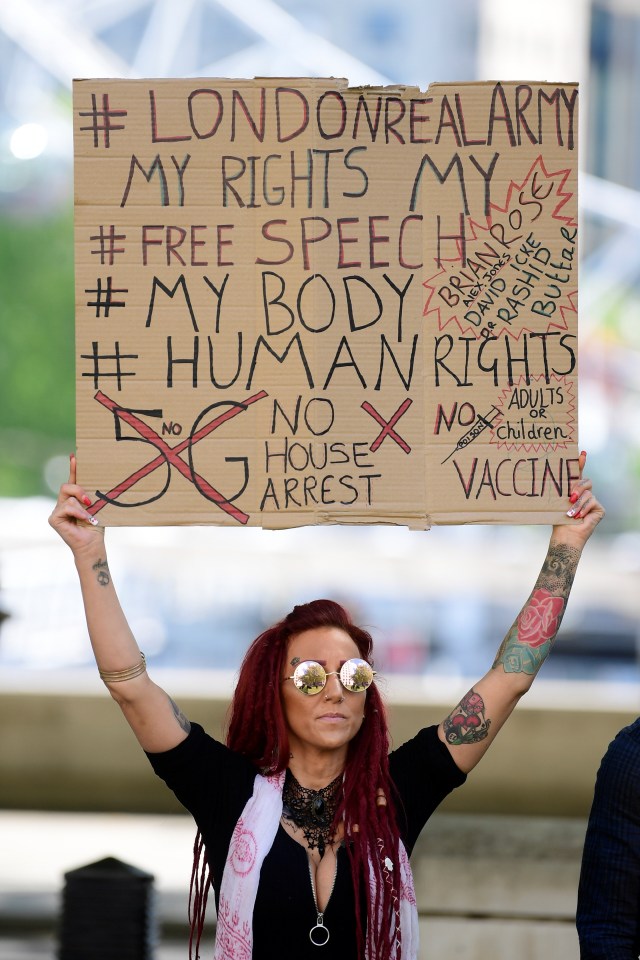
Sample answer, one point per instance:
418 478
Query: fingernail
93 521
87 501
583 453
578 516
571 512
573 497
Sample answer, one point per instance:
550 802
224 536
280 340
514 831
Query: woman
305 821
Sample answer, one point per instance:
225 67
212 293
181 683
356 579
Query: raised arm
471 727
153 716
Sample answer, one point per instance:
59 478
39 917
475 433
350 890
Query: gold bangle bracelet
117 676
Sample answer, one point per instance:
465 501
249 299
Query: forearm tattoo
102 572
529 641
180 717
467 723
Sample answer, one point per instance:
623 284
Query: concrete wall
496 868
487 886
502 887
70 749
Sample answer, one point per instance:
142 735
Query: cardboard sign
299 302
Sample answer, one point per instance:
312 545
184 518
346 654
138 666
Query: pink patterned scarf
251 841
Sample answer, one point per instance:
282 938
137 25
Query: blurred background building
199 607
437 603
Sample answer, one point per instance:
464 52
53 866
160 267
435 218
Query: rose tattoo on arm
528 643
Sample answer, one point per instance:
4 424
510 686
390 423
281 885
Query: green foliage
37 392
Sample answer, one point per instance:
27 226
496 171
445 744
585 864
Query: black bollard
107 913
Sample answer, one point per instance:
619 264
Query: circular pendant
319 935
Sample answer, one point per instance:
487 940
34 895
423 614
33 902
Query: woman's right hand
70 518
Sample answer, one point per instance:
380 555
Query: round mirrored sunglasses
310 677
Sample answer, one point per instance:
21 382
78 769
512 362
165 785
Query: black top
214 784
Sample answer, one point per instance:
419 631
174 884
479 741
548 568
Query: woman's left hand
585 510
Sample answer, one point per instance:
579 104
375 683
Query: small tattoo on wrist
102 572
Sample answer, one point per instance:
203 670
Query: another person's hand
70 518
585 509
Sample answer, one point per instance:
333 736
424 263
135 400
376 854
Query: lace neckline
311 811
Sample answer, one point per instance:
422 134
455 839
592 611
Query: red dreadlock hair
258 730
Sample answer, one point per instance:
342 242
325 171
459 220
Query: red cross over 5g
171 456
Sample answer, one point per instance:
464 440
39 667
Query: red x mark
171 454
388 430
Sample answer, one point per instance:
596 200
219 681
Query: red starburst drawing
517 271
536 415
